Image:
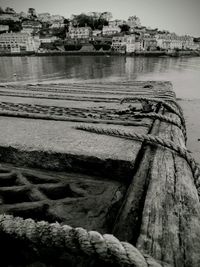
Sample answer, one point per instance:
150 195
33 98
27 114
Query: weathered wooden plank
170 229
161 211
128 221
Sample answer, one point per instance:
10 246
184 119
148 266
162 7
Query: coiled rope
152 140
176 110
104 247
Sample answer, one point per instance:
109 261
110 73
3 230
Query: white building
117 22
57 25
18 42
119 43
149 42
96 33
188 43
57 18
176 44
110 30
130 44
139 45
44 17
31 26
4 28
79 32
163 41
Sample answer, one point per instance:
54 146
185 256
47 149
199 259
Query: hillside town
34 32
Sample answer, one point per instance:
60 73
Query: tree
60 33
106 15
124 28
15 26
9 10
94 20
32 12
1 10
23 15
66 23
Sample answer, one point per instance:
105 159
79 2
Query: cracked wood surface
170 229
161 212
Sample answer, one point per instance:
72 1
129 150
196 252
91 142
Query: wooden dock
107 159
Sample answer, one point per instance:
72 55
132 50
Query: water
183 72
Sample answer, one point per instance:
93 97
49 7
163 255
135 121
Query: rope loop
165 103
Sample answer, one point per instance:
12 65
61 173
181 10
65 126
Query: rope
153 115
104 247
168 106
152 140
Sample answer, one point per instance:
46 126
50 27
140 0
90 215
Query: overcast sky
180 16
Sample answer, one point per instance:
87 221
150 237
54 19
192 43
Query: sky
180 16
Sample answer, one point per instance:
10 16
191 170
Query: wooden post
161 211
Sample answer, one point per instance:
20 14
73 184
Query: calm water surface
183 72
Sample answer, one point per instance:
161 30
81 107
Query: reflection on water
182 72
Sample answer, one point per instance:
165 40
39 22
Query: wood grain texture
170 229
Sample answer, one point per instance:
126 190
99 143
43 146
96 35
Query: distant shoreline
102 53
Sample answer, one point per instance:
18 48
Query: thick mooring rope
165 103
164 118
104 247
150 139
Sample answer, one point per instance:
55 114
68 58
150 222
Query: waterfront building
176 42
4 28
18 42
79 32
134 21
119 43
31 26
163 41
111 30
171 41
130 44
149 43
139 45
197 43
188 43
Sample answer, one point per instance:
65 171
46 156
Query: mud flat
104 157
